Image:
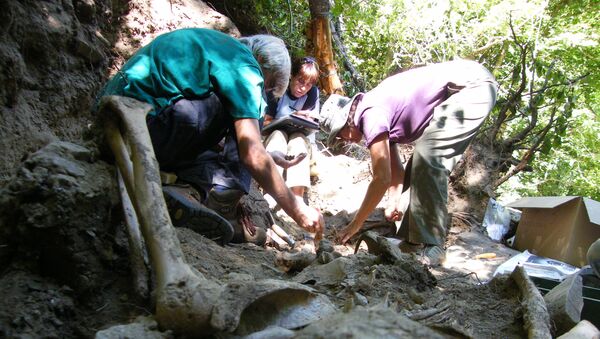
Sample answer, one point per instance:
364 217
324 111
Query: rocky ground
69 272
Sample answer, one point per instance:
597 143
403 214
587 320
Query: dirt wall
56 54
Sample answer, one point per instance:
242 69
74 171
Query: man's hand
348 232
263 169
392 213
313 219
286 161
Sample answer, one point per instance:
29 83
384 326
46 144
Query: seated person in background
301 98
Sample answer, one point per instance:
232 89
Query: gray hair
274 60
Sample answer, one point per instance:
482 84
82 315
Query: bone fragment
280 231
137 251
535 314
295 261
275 240
380 246
583 330
565 302
283 234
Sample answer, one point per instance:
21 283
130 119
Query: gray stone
565 302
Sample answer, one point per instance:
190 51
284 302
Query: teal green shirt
191 63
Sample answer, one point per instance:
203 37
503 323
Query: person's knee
278 135
276 141
182 112
297 144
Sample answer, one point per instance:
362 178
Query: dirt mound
64 252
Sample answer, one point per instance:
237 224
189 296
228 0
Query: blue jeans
188 140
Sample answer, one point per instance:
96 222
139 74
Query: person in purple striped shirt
439 108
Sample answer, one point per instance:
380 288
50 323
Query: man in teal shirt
206 86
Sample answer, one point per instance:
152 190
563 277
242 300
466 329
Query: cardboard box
561 228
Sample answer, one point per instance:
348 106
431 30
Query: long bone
181 304
137 253
186 302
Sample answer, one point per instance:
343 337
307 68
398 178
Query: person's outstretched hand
344 235
392 213
312 221
286 161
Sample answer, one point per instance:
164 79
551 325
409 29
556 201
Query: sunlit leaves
287 19
572 168
557 39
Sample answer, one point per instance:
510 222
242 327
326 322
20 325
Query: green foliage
560 42
405 34
572 168
566 56
287 19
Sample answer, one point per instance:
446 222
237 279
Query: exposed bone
275 240
565 302
142 327
330 274
186 301
137 251
283 234
535 314
249 307
273 332
280 231
295 261
363 322
380 246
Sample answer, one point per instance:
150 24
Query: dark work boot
227 204
185 210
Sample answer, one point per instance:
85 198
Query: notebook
292 123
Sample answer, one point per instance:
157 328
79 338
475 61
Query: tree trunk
319 45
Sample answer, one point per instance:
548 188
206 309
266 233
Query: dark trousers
196 140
